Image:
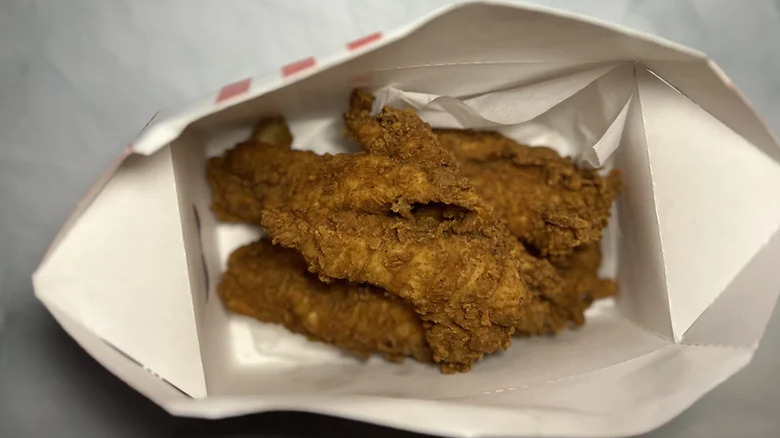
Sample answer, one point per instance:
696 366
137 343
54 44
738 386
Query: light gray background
78 79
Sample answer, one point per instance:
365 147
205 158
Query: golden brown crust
270 283
255 176
399 134
547 202
580 272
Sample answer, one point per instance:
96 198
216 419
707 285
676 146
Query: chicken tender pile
436 245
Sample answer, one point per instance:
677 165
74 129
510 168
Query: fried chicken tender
547 202
233 194
580 271
270 283
413 230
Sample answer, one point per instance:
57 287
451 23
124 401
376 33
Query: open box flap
648 304
703 82
121 271
710 185
740 314
120 364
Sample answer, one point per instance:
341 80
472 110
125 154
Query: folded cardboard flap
708 184
125 367
121 272
139 267
747 303
704 83
641 260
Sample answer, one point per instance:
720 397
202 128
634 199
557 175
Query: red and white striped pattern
236 89
364 41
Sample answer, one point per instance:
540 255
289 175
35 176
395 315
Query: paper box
694 240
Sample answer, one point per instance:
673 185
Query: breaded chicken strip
548 203
580 272
271 284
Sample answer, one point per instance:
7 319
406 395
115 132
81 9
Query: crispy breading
271 284
580 272
548 203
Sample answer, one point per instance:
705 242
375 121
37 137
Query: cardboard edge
192 238
681 332
637 100
674 337
50 301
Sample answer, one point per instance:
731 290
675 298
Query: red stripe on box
297 66
234 89
366 40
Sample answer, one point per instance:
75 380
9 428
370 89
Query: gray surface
77 81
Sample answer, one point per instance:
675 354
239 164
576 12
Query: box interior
244 356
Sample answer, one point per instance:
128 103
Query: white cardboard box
694 242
